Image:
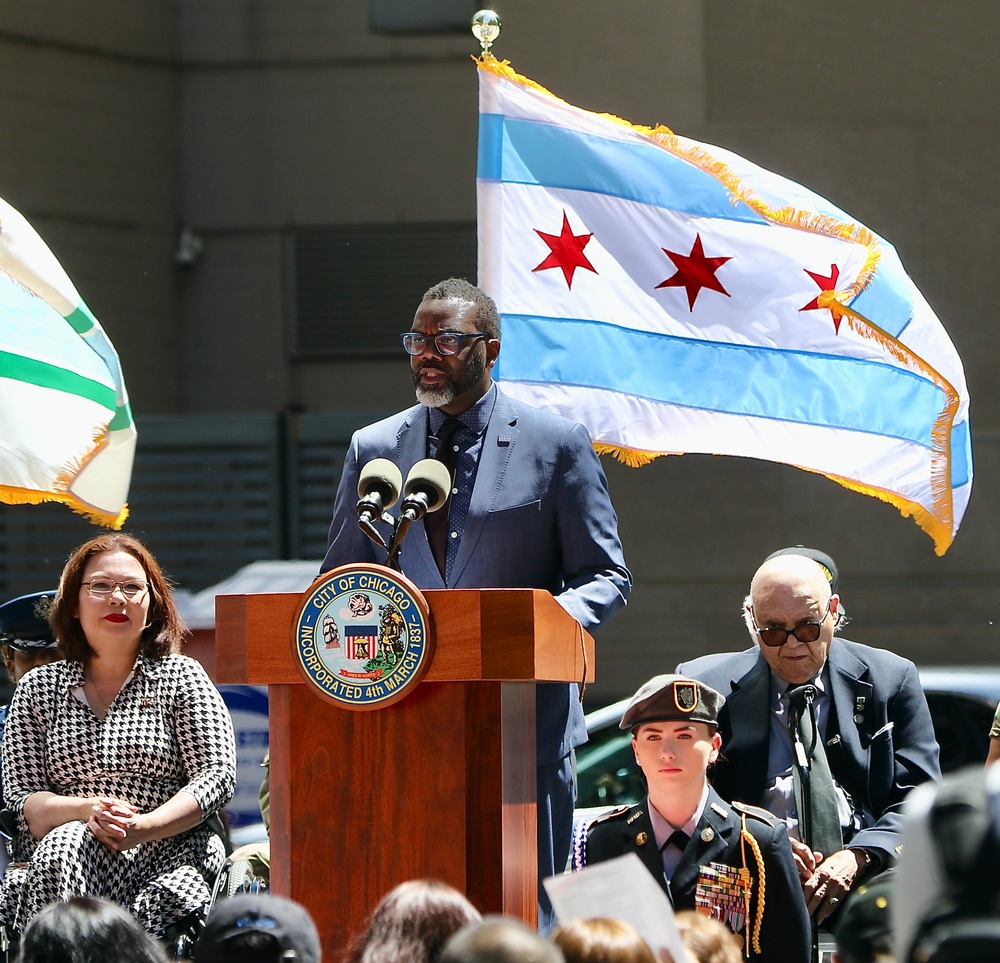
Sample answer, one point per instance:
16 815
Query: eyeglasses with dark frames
774 637
446 344
102 587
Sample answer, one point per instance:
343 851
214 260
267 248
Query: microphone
426 489
378 489
800 700
802 696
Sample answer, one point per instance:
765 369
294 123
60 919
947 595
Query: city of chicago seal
362 636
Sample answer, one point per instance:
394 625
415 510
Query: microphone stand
398 530
801 761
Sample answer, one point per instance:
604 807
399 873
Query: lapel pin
640 840
707 834
503 441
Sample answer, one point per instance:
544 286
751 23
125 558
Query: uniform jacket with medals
784 933
879 740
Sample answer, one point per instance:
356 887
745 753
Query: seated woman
114 758
728 860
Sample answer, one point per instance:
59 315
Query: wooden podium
438 785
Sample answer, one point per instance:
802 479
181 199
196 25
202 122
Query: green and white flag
66 430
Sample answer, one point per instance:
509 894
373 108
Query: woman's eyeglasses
102 587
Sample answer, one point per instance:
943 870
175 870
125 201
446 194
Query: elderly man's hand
806 859
832 881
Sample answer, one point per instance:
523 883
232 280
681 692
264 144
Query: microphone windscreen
432 478
799 695
381 475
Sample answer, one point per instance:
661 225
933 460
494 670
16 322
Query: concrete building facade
180 155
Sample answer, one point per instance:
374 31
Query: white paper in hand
623 889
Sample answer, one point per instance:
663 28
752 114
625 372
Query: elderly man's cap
823 560
670 698
863 930
289 931
24 622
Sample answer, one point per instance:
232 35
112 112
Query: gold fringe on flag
62 495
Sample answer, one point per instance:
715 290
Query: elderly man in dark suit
872 717
529 508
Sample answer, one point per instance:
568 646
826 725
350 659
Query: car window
606 772
962 726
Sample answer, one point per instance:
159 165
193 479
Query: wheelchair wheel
242 879
241 875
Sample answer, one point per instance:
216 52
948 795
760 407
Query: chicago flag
674 297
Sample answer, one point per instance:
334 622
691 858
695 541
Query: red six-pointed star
565 251
694 272
826 284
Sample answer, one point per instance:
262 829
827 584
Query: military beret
24 622
667 698
823 560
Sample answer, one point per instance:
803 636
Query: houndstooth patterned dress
167 730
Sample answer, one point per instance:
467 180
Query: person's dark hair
86 929
165 628
602 940
412 923
487 316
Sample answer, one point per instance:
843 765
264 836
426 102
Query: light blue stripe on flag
794 386
888 299
523 152
961 455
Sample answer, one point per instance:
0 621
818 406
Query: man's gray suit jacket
540 517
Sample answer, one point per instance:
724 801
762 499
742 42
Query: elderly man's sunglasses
775 637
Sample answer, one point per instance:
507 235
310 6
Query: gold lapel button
707 834
640 840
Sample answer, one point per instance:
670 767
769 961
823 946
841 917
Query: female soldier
730 861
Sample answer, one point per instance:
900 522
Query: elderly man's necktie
815 796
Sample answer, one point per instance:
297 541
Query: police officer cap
670 698
863 931
24 622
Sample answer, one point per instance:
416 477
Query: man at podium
528 508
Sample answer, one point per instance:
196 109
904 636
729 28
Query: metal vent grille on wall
421 16
209 494
206 498
355 288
